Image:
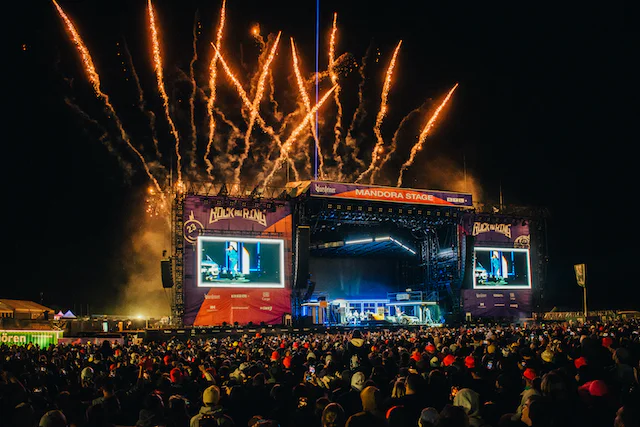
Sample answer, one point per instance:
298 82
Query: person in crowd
371 414
211 413
333 416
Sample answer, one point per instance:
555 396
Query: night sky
542 116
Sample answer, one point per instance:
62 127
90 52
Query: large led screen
240 262
501 268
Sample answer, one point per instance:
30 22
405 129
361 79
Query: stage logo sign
237 261
389 194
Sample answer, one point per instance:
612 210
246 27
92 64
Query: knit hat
470 362
597 388
176 375
430 348
448 360
275 356
530 374
357 380
547 356
416 356
607 341
434 362
579 362
287 362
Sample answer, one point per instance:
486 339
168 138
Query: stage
336 255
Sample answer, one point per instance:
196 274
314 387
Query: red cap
470 362
530 374
175 374
430 348
596 388
607 341
275 355
416 356
448 360
287 362
295 345
580 361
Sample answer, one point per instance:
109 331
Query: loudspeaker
467 278
303 238
167 276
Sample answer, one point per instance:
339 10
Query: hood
370 397
469 400
357 342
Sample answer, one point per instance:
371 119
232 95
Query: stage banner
221 288
480 303
490 233
389 194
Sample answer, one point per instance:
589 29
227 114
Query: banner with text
224 282
389 194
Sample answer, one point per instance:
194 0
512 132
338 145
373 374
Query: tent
58 315
69 315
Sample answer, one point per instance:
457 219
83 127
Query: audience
492 376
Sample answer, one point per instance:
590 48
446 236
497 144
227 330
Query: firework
358 114
94 79
142 103
255 105
307 106
249 105
337 127
423 135
192 97
292 138
378 149
213 72
157 63
394 140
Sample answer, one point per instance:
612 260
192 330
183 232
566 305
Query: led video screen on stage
240 262
501 268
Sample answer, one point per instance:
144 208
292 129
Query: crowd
498 376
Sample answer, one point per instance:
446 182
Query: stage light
352 242
382 239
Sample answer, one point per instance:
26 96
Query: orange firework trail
337 128
247 103
157 63
307 106
284 152
194 87
213 73
94 79
423 135
253 112
379 147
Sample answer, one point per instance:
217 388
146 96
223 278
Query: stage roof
365 247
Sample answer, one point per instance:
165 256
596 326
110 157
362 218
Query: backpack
215 419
